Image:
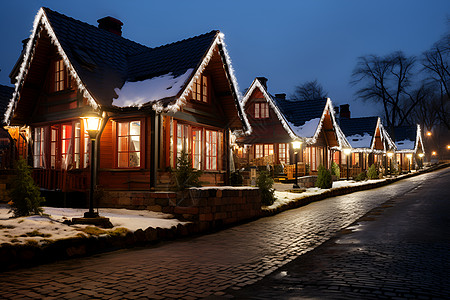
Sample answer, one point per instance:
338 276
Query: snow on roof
149 90
405 145
360 141
308 129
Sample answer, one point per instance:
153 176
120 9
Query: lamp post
421 159
409 156
296 145
390 154
92 126
347 152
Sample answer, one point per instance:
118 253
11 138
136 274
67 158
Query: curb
344 190
19 256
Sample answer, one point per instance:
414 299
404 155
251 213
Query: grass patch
37 233
6 227
92 230
20 221
297 191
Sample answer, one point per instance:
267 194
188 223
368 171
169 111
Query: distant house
410 149
154 103
6 153
277 122
369 140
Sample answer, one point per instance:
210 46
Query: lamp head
92 123
296 144
347 151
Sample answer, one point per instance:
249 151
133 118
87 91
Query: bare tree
424 113
310 90
436 62
387 80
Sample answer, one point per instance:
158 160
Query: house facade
410 150
276 122
154 103
371 143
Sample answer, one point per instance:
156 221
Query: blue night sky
289 42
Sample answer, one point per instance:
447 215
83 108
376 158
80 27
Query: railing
263 161
52 179
290 170
352 171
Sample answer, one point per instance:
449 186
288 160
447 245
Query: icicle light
42 20
182 100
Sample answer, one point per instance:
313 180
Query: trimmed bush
236 178
335 170
25 195
372 172
185 175
264 182
361 176
324 180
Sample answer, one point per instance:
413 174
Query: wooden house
410 150
154 103
370 142
276 122
6 155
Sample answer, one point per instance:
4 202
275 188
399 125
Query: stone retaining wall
210 207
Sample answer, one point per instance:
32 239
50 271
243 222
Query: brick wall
210 207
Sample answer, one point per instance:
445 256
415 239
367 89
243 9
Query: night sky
289 42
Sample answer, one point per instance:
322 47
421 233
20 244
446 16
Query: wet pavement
210 265
399 250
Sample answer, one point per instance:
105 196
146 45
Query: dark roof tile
353 126
299 112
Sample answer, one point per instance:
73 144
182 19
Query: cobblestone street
399 250
207 265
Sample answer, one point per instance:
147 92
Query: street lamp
296 145
421 155
390 153
92 125
428 133
409 156
347 152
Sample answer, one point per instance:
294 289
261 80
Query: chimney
336 111
281 96
110 24
345 111
263 81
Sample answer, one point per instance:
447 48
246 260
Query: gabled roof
301 119
102 64
408 138
360 132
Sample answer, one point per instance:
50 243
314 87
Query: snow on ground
283 196
50 225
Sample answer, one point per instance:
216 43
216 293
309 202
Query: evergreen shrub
236 178
361 176
25 194
324 180
335 170
372 172
185 175
265 184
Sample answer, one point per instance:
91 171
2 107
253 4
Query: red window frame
261 110
126 140
39 145
211 145
200 89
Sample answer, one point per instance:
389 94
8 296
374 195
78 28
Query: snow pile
284 197
153 89
405 145
360 141
50 226
307 130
